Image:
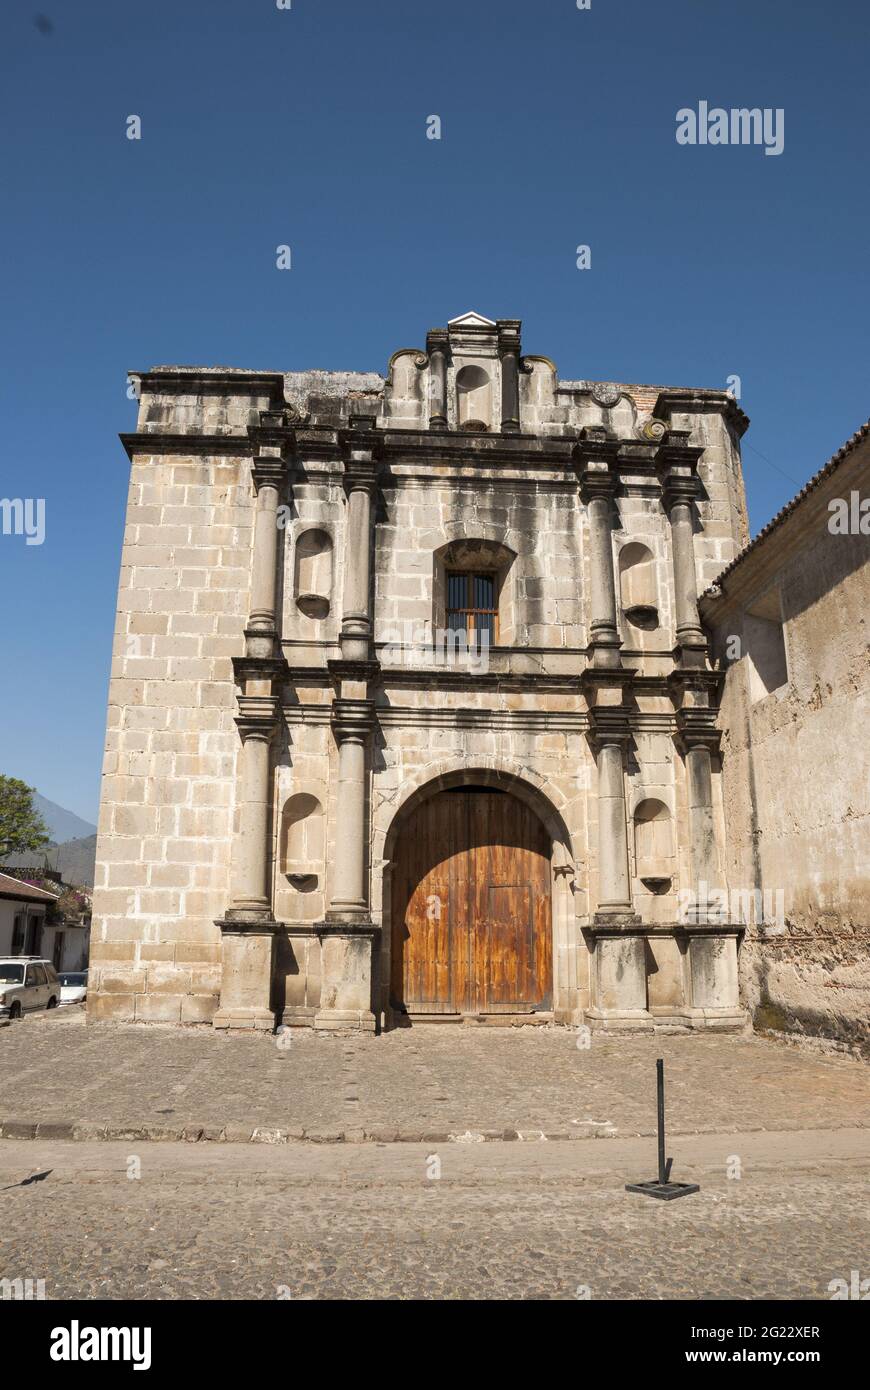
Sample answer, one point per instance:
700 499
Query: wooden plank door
471 907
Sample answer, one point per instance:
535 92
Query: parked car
27 983
73 986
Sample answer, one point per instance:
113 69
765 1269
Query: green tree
21 826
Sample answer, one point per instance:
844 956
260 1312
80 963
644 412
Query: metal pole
660 1082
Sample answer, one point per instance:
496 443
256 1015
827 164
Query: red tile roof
13 888
824 472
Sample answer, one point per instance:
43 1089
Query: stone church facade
412 711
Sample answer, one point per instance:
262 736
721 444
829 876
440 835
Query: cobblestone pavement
503 1221
424 1082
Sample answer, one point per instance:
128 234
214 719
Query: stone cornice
195 381
316 443
689 402
236 445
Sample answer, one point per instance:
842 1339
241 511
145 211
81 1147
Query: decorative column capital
343 669
595 456
361 448
696 728
258 717
677 465
353 721
509 339
437 340
258 668
609 725
268 470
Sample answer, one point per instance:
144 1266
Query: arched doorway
471 911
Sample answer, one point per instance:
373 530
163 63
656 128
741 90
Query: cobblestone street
503 1221
433 1081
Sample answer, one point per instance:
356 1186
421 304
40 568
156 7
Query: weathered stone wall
169 817
797 766
165 830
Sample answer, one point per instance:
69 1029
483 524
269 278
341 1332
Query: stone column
360 477
596 456
352 724
509 353
248 927
268 475
436 347
678 463
348 937
614 882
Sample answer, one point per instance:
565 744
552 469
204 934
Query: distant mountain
62 825
75 860
73 847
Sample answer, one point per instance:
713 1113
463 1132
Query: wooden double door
471 909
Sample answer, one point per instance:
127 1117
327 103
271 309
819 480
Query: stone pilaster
619 990
698 741
596 461
712 992
248 928
509 353
348 937
437 348
678 462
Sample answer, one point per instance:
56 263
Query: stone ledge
257 1134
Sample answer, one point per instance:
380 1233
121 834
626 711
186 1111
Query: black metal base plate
665 1191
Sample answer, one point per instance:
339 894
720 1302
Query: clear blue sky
306 126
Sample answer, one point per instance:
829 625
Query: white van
27 983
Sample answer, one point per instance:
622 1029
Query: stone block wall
165 830
796 769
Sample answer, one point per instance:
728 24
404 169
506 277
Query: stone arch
548 805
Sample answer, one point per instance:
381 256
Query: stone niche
312 573
300 899
638 592
473 398
301 856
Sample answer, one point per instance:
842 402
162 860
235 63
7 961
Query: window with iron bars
471 607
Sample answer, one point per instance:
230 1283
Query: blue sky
307 127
